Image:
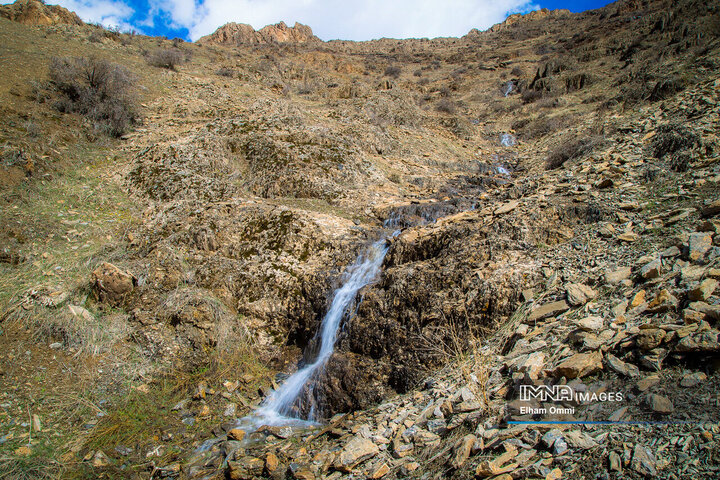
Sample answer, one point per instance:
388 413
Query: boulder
112 284
355 451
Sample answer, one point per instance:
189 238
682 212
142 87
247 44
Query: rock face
243 34
35 12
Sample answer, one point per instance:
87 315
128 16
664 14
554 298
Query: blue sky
329 19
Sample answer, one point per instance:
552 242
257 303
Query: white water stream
279 408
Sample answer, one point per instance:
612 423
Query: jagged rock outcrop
242 34
35 12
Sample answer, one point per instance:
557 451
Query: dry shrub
541 126
98 89
393 71
225 72
166 58
445 105
571 150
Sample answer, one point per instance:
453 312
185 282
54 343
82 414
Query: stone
663 302
112 284
271 463
507 207
580 365
698 245
616 276
626 369
579 294
462 450
81 313
555 474
711 209
354 452
590 324
628 237
643 461
703 291
650 338
651 270
638 299
36 424
236 434
615 462
100 460
660 404
491 468
548 310
690 380
580 440
379 472
533 365
671 252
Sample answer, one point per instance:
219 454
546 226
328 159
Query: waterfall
278 407
508 140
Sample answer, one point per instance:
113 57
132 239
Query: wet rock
580 365
236 434
356 451
643 461
112 284
579 294
245 468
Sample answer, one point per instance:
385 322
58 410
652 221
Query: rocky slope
554 184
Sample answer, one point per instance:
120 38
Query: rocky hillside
548 191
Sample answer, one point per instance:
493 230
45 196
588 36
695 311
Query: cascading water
508 140
280 407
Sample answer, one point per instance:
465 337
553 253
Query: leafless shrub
445 105
98 89
166 58
225 72
571 150
393 71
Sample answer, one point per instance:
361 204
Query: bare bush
225 72
166 58
393 71
98 89
446 105
571 150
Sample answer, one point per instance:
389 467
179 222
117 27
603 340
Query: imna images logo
565 393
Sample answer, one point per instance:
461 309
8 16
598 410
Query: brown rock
703 291
580 365
462 450
650 338
652 269
243 34
490 468
638 299
643 461
627 369
660 404
698 244
693 379
271 462
355 451
711 209
647 383
111 283
548 310
579 294
382 470
35 12
236 434
616 276
508 207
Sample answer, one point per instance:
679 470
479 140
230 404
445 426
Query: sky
329 19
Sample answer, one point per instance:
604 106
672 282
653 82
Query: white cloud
329 19
109 13
359 20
